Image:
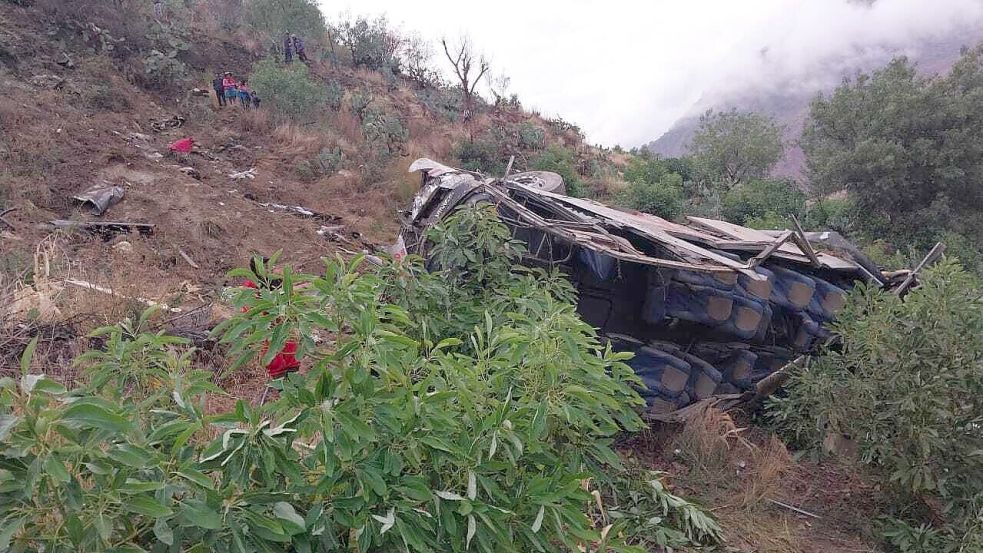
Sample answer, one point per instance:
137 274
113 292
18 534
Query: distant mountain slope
786 101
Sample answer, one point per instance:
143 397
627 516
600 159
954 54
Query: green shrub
531 137
475 433
327 162
905 384
562 161
334 95
771 201
480 155
663 198
287 90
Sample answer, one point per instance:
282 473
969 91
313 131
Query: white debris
247 174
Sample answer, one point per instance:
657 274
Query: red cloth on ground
285 361
184 145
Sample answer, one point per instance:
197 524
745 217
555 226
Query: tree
468 68
906 148
498 85
374 44
272 19
416 57
732 147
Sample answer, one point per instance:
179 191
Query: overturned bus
710 309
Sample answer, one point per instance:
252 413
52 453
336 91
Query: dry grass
718 454
293 141
255 121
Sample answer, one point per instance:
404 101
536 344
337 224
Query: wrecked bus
710 309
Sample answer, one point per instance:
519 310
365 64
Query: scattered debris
187 258
47 81
329 229
5 222
89 286
174 122
304 212
105 228
791 508
123 247
100 197
247 174
154 156
200 92
191 172
65 61
183 146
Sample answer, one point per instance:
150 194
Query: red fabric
285 361
228 82
184 145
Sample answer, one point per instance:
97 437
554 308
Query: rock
123 247
46 80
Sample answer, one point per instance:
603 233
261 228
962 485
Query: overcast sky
626 70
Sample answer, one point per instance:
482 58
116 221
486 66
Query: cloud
626 70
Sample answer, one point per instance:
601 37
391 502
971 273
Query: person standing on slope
219 89
229 86
288 48
299 48
245 97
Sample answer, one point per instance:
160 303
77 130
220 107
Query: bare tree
468 67
499 87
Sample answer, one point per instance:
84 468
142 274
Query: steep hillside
81 109
787 101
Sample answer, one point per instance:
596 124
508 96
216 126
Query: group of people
293 44
229 90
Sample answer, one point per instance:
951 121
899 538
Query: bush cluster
905 385
468 413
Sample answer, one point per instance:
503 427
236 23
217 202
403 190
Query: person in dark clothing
256 100
299 48
288 49
219 89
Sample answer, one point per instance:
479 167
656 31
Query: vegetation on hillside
904 384
463 409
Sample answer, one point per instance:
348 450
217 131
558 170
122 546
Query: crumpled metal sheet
100 197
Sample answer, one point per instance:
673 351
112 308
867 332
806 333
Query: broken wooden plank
804 244
102 289
932 256
793 508
772 248
187 258
105 227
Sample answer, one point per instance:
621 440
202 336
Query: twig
791 508
6 222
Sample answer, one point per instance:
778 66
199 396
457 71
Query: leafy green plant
663 198
904 384
531 137
481 432
562 161
288 90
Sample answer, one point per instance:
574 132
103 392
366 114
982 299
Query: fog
625 71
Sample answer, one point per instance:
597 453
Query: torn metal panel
595 238
100 197
786 251
652 230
